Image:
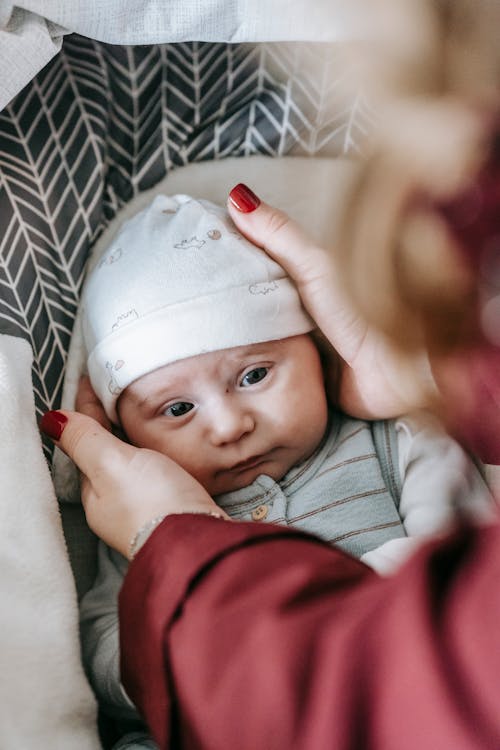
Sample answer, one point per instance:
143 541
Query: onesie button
260 513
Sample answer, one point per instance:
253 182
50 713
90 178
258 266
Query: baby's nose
231 424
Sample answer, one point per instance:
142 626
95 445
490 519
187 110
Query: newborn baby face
230 415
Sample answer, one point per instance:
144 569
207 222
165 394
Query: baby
199 347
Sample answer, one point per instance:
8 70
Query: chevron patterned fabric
101 123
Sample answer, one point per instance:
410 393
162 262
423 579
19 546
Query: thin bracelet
145 531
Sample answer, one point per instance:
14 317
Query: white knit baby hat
179 280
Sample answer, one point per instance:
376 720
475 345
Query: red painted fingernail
244 199
53 424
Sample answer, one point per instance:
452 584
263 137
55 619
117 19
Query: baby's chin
228 482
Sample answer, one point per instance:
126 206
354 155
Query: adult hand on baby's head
123 487
372 378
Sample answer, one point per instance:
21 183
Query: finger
85 441
280 236
87 402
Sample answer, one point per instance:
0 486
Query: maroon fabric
470 381
247 636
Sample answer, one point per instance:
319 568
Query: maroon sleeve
253 636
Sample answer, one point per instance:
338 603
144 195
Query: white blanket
45 700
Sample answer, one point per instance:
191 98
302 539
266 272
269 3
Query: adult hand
374 378
123 487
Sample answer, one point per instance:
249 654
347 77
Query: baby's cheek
191 461
315 420
174 447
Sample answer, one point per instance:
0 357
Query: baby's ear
331 364
118 432
86 402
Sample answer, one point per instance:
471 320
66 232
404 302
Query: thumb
83 439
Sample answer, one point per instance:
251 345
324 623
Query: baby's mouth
249 463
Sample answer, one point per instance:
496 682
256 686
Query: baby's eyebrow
159 394
254 350
144 400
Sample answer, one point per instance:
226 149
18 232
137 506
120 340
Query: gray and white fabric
31 31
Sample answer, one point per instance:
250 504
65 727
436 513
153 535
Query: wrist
144 532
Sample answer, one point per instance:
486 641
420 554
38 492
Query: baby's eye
178 409
254 376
